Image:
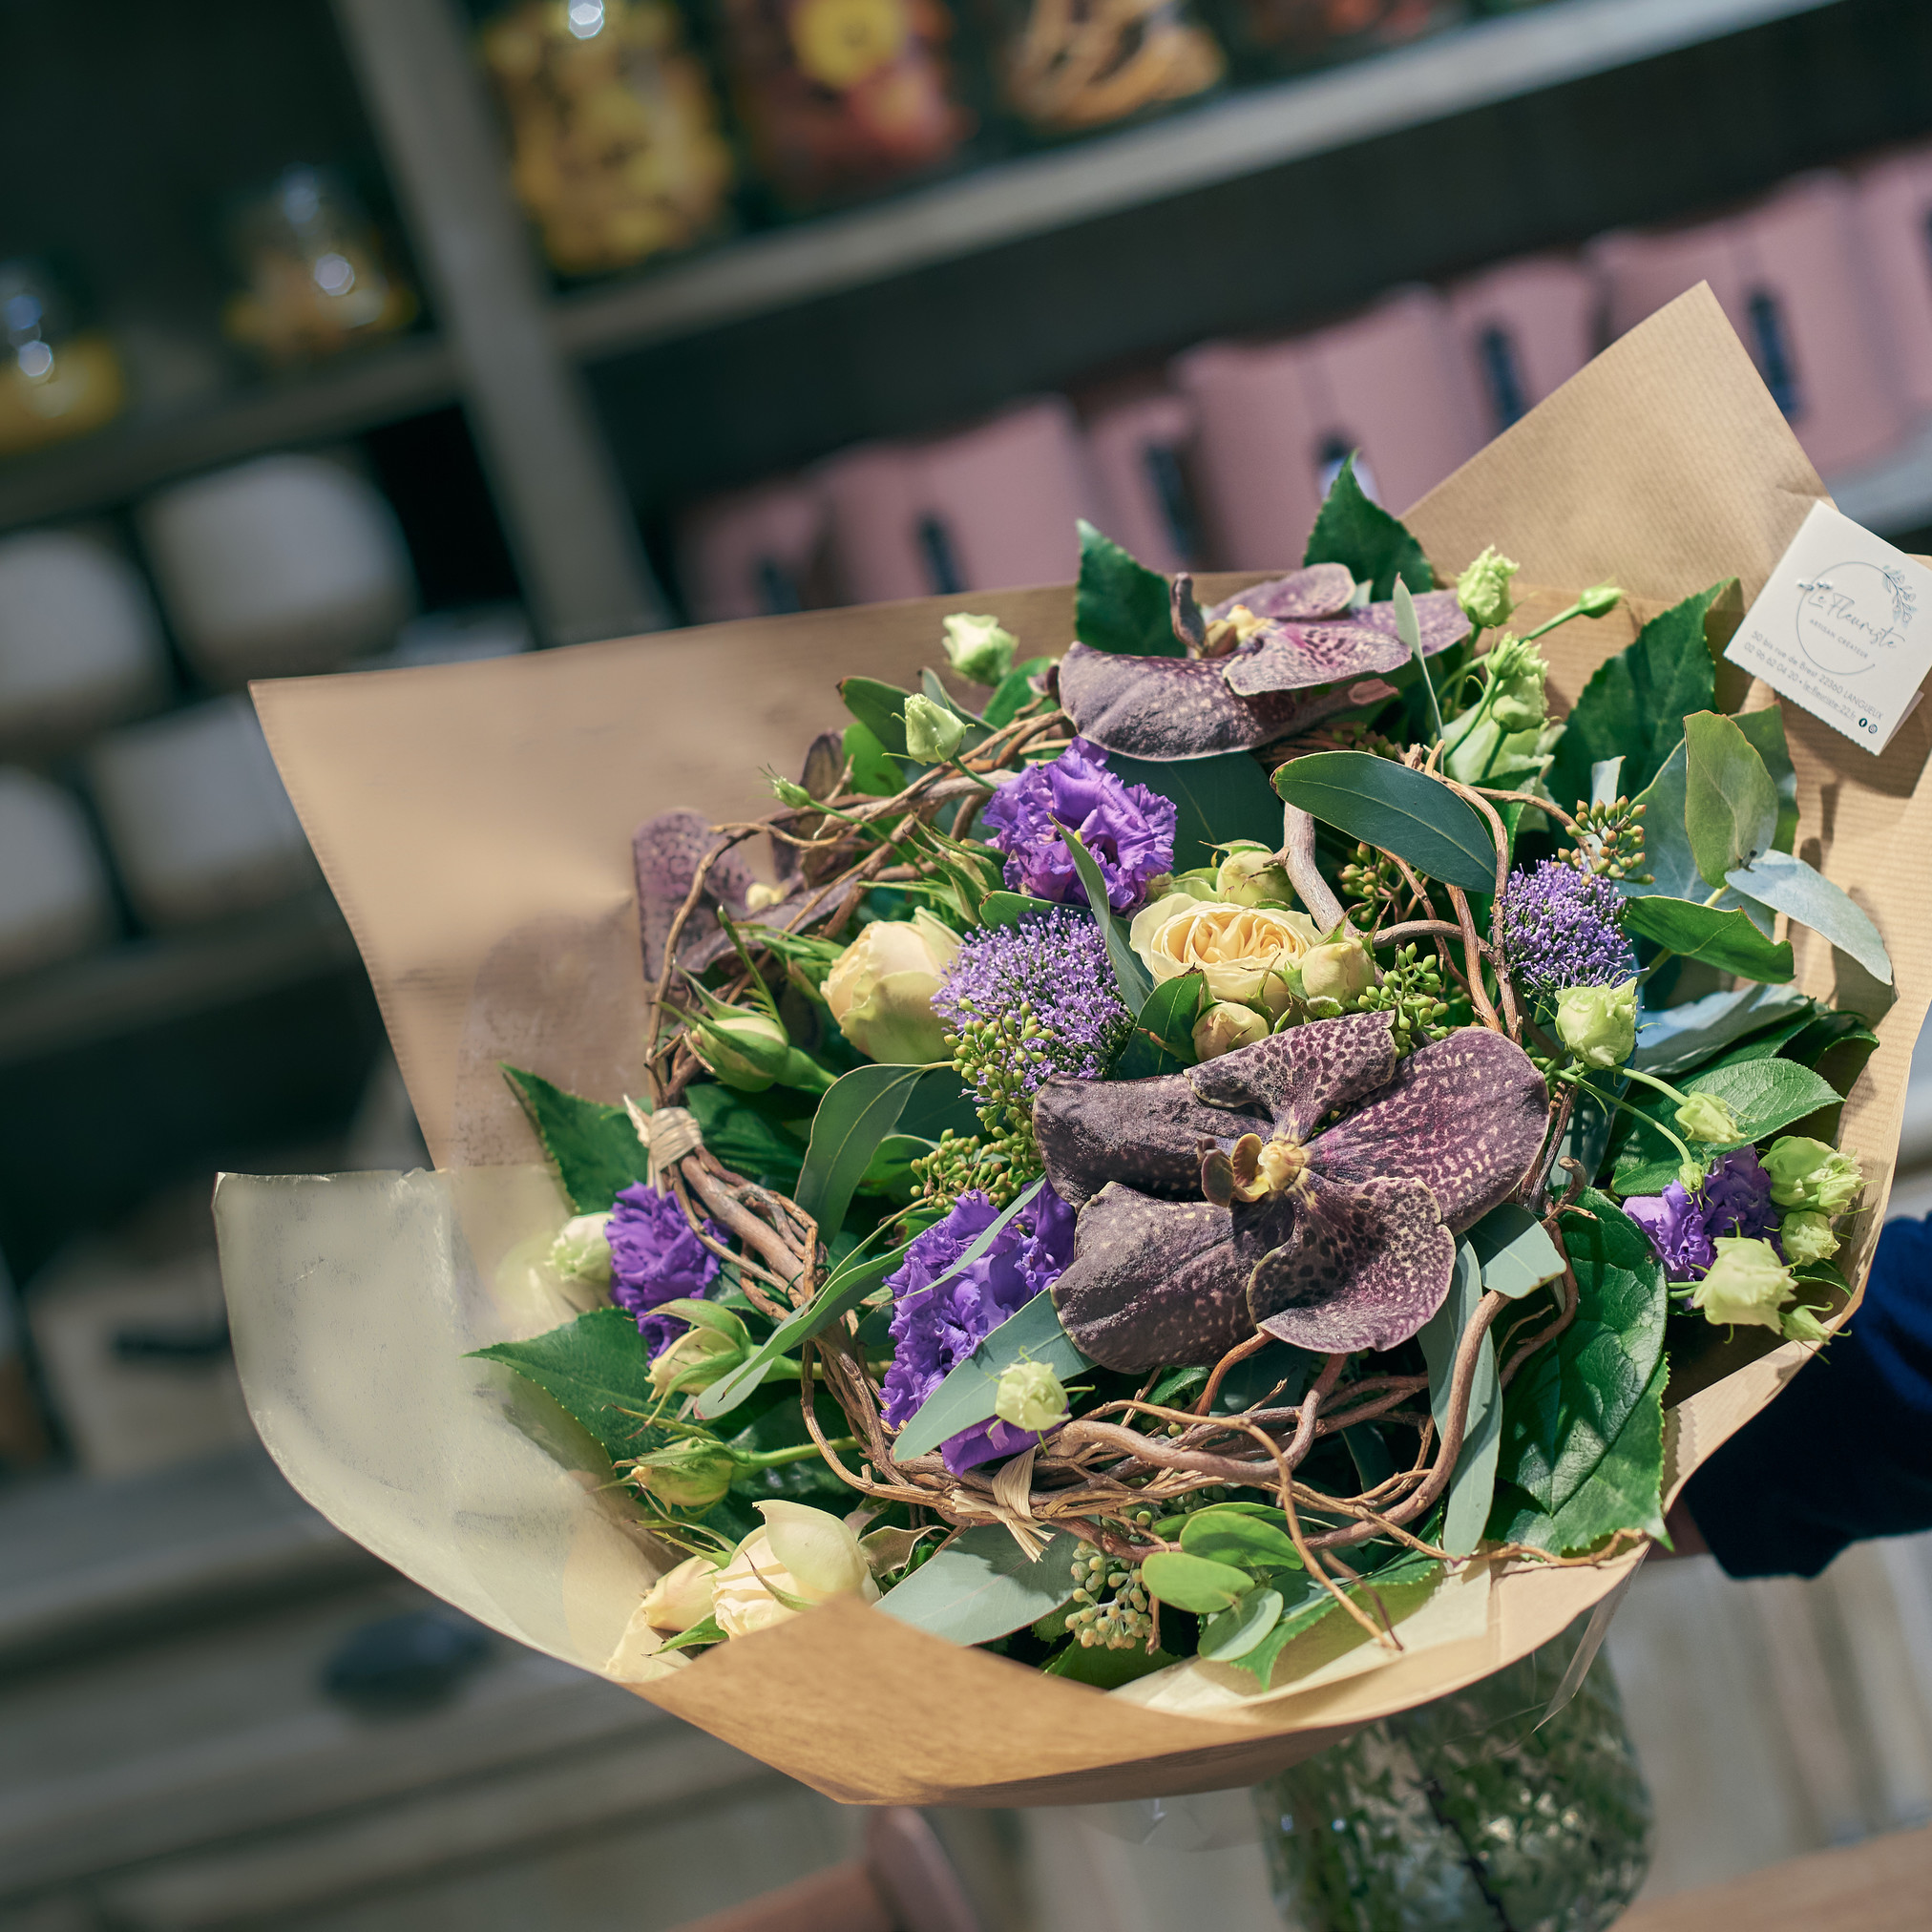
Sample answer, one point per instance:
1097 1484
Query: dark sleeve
1845 1452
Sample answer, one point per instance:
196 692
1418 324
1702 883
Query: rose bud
681 1596
1746 1285
699 1357
1807 1238
749 1050
1801 1324
979 648
933 733
1339 970
1253 875
801 1557
580 1251
1482 590
1599 1023
1225 1026
690 1474
1704 1117
1030 1396
880 989
1806 1173
1600 601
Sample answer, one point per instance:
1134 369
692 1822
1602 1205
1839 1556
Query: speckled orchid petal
1167 708
667 851
1323 590
1296 1077
1153 1281
1296 657
1439 616
1148 1132
1365 1265
1465 1116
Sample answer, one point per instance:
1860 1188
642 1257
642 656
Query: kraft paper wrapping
475 822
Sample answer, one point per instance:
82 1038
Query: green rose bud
1806 1173
1482 590
1746 1285
1801 1324
1225 1026
691 1474
1030 1397
979 648
1600 601
703 1355
1339 970
1808 1238
749 1050
1692 1175
580 1251
1599 1023
1251 875
1704 1117
880 989
933 733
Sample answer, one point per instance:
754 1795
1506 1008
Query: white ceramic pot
54 898
81 640
282 565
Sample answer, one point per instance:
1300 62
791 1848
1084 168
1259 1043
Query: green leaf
1354 530
1624 1490
1795 889
746 1134
1636 704
1680 1037
1008 908
1133 979
1241 1539
1513 1251
1766 1094
856 1113
1234 1631
598 1368
881 709
1104 1669
1014 692
873 772
1474 1482
982 1586
1726 939
1193 1582
1386 804
709 1631
1406 1580
1163 1039
596 1148
1730 803
1118 604
1571 1398
1219 800
1765 732
965 1399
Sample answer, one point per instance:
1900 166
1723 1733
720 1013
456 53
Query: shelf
1246 133
369 387
144 983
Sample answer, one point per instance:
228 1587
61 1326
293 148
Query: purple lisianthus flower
655 1258
1128 828
1053 969
937 1323
1560 926
1683 1227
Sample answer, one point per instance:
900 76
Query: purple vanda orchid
1225 1199
1266 662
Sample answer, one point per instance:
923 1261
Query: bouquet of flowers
1212 1162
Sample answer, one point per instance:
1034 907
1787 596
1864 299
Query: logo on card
1852 617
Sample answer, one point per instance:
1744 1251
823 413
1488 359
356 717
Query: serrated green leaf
1636 703
1386 804
1218 800
598 1368
1014 692
1474 1479
1354 530
1133 979
982 1586
1766 1094
1240 1537
1571 1399
1765 732
1730 803
594 1147
856 1113
1726 939
1163 1039
1118 604
1785 882
873 772
1193 1582
1513 1251
1236 1630
881 709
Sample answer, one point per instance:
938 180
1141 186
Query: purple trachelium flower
937 1323
1683 1227
1050 971
1560 926
655 1258
1129 829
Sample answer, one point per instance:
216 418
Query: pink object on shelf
752 552
1793 275
1895 210
1278 418
1524 329
1137 448
990 507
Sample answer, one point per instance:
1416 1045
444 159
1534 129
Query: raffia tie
668 1135
1011 1505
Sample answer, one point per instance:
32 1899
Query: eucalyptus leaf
598 1370
1680 1037
1370 1454
983 1586
1765 732
1607 777
1513 1251
1785 882
1133 979
1725 938
1163 1038
1354 530
1471 1486
1409 1576
1235 1632
1730 803
935 687
856 1113
1218 800
1387 805
1193 1582
1240 1537
881 709
1120 604
595 1146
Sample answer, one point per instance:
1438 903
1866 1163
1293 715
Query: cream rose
880 988
806 1555
1245 952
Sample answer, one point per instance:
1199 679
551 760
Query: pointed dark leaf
1129 974
598 1368
1387 805
1163 1039
1355 532
1121 605
1219 800
881 709
1014 692
595 1146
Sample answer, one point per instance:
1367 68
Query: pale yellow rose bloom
806 1554
1243 951
880 989
681 1596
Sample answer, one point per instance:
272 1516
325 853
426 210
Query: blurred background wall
388 331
